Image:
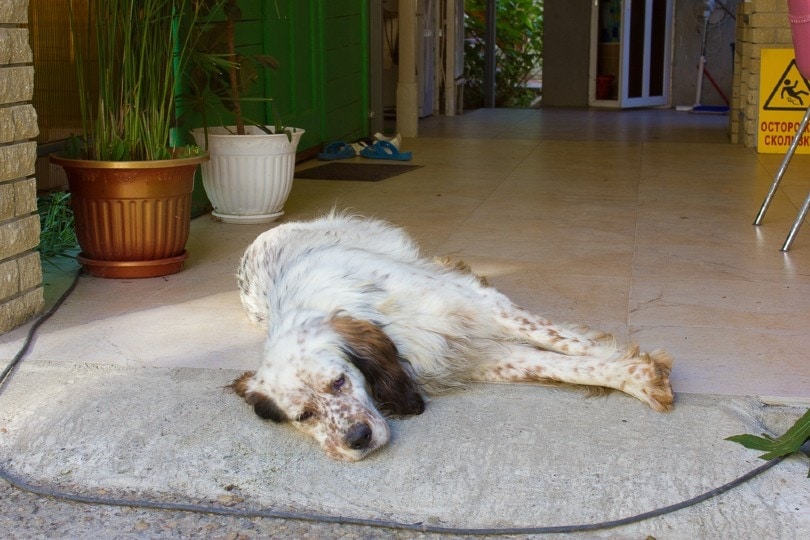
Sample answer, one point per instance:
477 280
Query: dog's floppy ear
376 356
263 405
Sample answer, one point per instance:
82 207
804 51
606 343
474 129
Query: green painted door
321 84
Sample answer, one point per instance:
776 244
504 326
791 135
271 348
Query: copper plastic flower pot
132 218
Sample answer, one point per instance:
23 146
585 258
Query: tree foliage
518 53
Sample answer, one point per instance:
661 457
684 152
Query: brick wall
761 24
21 295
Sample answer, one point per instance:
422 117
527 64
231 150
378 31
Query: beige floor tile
723 304
797 194
549 256
703 262
703 160
734 361
706 230
598 302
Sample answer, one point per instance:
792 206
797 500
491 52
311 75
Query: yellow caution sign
784 96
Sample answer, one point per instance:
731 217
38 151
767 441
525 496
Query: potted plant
130 186
250 174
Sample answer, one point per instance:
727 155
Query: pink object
799 16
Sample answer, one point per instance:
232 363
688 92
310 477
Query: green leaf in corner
787 444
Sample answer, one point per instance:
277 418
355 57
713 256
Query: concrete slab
492 456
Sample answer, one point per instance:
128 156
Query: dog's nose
358 436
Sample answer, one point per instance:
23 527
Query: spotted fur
359 326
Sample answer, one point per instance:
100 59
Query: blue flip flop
337 150
385 150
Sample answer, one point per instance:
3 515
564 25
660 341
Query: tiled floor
637 222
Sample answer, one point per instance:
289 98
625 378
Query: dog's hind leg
642 375
517 324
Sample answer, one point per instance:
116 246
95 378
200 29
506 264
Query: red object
604 86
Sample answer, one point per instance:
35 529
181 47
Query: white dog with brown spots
359 325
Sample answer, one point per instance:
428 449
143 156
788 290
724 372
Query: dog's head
333 378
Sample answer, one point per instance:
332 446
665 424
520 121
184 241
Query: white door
631 51
645 78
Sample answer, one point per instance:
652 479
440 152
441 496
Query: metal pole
794 230
489 55
782 168
450 57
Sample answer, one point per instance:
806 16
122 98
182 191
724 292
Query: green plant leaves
519 48
58 235
140 48
787 444
222 76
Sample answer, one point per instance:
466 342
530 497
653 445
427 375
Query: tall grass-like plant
58 235
142 48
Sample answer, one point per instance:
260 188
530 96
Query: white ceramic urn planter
248 177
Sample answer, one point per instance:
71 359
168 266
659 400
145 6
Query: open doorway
428 19
518 53
439 56
631 44
445 34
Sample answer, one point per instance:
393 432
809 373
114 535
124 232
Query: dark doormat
361 172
